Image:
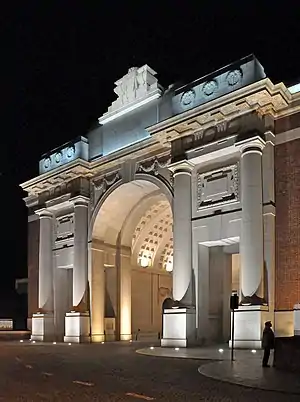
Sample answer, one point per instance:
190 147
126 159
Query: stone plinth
42 327
248 326
179 327
77 327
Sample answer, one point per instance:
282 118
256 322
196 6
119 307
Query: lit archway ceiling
118 207
152 240
142 214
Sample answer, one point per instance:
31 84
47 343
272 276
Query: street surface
110 372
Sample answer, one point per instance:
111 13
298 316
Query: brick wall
287 184
33 266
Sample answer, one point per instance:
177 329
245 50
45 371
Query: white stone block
248 326
77 327
42 327
179 327
297 320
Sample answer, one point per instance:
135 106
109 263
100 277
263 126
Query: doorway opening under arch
131 262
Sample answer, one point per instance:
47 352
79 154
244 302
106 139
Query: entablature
59 181
262 97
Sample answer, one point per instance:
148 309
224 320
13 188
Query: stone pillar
97 294
77 323
179 324
252 232
80 264
182 234
125 299
43 320
252 313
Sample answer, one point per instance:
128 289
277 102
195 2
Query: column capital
44 213
80 200
254 144
182 167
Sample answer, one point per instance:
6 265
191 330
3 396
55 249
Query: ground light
69 343
221 350
33 341
54 343
102 342
253 351
176 349
151 347
21 341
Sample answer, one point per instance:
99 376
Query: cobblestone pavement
110 372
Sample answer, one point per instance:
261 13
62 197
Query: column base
77 327
42 327
248 326
179 327
97 338
125 337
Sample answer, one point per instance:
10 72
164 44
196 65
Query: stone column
252 312
46 262
77 322
179 323
182 234
80 264
125 298
97 295
252 234
43 320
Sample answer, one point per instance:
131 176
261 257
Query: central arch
131 241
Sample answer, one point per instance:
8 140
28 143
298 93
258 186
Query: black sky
60 60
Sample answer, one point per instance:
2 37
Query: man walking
268 343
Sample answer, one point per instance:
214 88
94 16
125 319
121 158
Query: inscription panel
217 187
65 227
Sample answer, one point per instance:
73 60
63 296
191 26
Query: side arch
162 185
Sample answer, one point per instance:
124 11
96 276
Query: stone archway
131 259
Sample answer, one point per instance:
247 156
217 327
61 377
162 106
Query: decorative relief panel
101 184
218 187
65 227
153 165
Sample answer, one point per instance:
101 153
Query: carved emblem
210 87
58 157
137 84
70 151
188 98
47 163
234 77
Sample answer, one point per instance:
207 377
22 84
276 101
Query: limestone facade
145 226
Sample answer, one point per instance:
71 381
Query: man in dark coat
268 342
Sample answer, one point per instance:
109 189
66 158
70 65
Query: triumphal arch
146 225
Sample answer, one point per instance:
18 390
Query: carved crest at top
137 87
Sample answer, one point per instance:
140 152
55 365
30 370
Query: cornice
262 96
65 173
90 170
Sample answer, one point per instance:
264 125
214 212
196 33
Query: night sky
60 59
